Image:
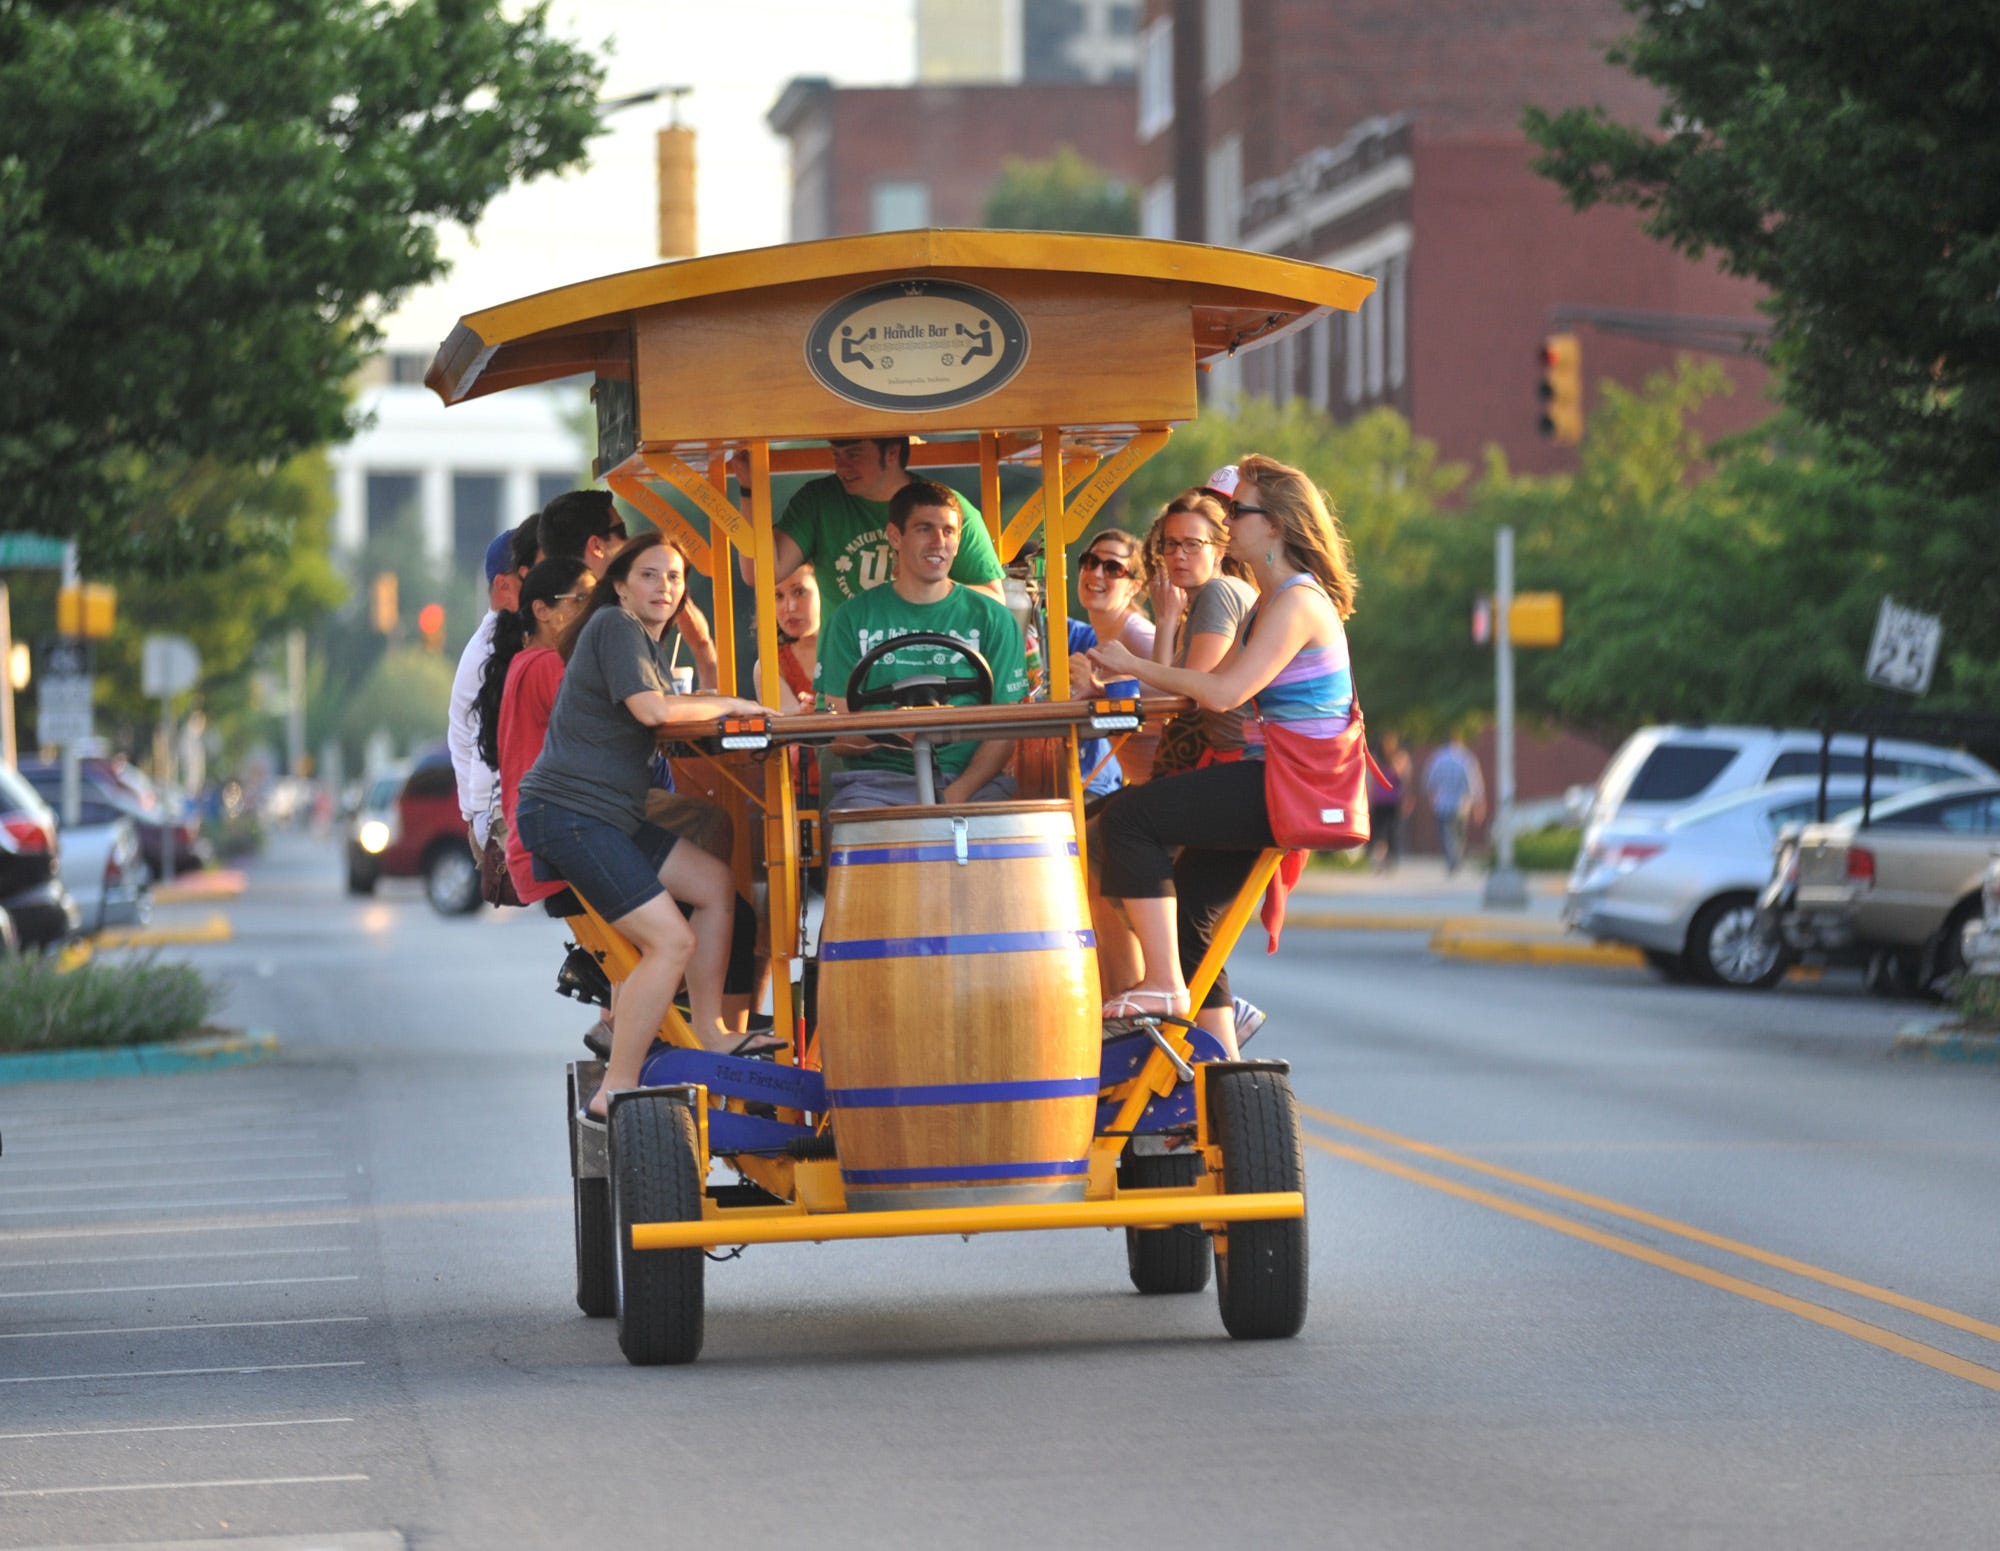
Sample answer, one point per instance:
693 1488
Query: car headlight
373 837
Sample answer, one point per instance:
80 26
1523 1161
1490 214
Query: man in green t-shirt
923 531
839 523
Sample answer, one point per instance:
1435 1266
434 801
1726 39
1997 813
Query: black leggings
1216 816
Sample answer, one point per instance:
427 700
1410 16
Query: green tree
1842 154
1064 193
207 210
407 695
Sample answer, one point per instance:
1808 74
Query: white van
1659 771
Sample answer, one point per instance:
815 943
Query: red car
408 826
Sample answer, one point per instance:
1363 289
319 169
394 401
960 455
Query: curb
1945 1039
1419 921
215 929
194 888
202 1054
1507 950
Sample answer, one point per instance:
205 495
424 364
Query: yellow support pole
1055 559
1143 1211
725 584
781 829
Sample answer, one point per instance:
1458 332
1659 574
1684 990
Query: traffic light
430 620
88 609
1562 389
383 608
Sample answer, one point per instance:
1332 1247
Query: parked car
1659 771
104 871
1982 953
31 886
1685 892
1900 894
408 826
159 815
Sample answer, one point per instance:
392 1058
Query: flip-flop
758 1045
1126 1007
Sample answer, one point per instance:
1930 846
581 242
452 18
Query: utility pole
1505 888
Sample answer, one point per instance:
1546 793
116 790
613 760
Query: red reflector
29 835
1860 865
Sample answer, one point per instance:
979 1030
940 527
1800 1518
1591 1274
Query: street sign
168 664
62 714
61 659
1905 648
25 550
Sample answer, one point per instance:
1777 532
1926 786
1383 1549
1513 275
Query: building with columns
468 472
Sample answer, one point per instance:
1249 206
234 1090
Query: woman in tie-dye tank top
1289 662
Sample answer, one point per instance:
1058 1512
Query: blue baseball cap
500 555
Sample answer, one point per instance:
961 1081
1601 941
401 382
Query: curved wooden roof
1238 298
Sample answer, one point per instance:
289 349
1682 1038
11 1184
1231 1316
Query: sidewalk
1419 896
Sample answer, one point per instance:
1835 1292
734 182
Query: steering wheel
927 689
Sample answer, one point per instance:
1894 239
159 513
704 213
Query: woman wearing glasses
1110 581
1290 661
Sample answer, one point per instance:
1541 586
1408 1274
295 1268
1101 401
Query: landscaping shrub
44 1006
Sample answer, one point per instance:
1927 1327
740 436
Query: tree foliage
1842 154
1065 193
206 211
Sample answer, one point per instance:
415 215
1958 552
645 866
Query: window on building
1396 303
1225 191
549 485
407 368
1321 391
1222 41
1357 357
1156 209
390 499
1156 78
897 204
475 518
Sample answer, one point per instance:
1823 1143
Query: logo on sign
917 345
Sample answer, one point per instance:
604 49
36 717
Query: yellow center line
1873 1335
1765 1257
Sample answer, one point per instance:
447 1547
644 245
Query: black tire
1671 967
1165 1260
596 1252
451 879
1891 973
655 1178
1260 1277
360 880
1727 946
1944 963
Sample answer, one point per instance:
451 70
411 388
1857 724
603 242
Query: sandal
758 1045
1130 1006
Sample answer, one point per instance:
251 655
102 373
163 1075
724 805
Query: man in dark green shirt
923 531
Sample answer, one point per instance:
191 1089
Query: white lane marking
138 1230
174 1182
188 1254
173 1427
175 1486
179 1373
172 1206
96 1162
144 1330
84 1292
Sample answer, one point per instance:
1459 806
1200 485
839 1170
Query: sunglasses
572 597
615 531
1114 569
1239 509
1186 546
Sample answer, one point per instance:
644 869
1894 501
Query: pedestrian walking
1457 795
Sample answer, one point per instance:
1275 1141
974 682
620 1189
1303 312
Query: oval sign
917 345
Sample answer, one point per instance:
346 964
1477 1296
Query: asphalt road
1596 1261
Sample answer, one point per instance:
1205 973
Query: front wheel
451 880
1728 946
1164 1260
655 1177
1947 954
1260 1276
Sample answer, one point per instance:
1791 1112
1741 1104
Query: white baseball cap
1222 481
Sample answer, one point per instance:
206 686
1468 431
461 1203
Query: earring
1270 557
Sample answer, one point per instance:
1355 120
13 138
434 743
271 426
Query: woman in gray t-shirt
582 809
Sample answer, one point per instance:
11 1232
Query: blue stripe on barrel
953 946
982 851
962 1093
968 1173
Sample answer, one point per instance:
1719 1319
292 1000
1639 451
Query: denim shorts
614 871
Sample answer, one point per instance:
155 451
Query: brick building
873 159
1384 137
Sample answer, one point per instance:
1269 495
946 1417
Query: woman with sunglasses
1290 661
1110 581
582 808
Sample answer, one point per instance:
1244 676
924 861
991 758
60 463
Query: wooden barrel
958 1009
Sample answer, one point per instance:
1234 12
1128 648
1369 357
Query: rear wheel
451 879
1165 1260
1728 946
596 1250
655 1177
1945 955
1260 1277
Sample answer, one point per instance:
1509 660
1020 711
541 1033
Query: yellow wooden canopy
715 350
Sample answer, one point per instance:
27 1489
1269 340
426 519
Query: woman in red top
519 688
